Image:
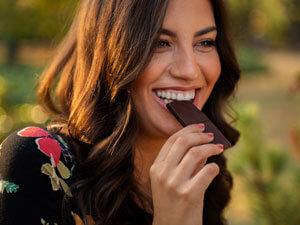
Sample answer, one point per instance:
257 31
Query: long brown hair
107 47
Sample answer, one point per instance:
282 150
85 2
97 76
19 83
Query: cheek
150 74
142 86
211 67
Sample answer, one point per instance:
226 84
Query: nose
184 65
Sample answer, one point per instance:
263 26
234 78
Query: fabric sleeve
34 171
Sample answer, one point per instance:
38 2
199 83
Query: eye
162 44
206 45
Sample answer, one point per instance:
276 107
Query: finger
183 144
194 128
201 181
195 159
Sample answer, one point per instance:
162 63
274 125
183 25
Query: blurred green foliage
17 83
17 98
250 60
271 175
33 21
267 22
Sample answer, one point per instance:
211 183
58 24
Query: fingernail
201 125
210 134
220 146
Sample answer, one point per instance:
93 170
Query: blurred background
266 161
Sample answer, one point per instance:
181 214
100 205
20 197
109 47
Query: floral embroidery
8 186
45 223
45 142
53 149
56 181
64 147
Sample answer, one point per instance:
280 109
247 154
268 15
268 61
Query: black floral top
35 172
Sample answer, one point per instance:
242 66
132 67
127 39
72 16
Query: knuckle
195 152
161 177
171 185
187 195
157 174
182 140
184 193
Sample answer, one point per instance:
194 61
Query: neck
146 149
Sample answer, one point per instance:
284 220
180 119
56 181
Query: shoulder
31 141
34 153
35 170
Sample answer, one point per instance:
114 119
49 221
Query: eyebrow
198 33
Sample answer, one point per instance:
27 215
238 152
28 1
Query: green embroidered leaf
12 188
63 170
65 187
8 186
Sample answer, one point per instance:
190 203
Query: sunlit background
266 161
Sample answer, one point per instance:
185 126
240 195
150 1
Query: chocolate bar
187 113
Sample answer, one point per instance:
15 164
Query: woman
134 164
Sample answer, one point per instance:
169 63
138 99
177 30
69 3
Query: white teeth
187 96
174 96
180 97
169 95
167 101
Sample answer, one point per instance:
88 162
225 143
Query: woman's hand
179 177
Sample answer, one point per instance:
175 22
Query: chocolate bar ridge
187 113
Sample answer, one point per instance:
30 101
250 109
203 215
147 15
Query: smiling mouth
173 95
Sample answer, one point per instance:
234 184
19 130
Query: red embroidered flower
45 142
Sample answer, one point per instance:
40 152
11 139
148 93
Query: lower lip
164 105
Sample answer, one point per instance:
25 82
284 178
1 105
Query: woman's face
185 65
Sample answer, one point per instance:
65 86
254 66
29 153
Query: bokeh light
37 115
